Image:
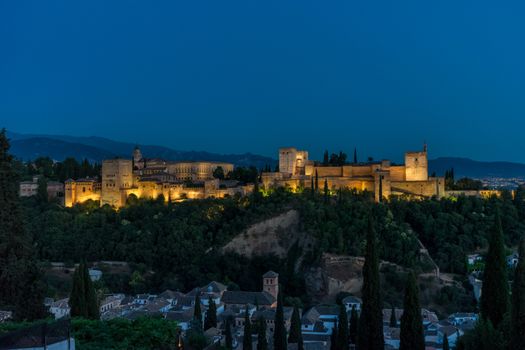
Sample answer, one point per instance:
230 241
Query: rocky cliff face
273 236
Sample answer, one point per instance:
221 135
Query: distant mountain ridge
96 149
59 147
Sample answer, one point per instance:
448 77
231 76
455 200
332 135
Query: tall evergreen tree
370 335
22 289
41 193
354 324
445 342
495 292
262 342
210 319
334 338
312 188
295 335
342 336
316 181
279 333
197 311
247 339
228 339
325 158
83 298
355 155
325 190
92 306
411 335
77 298
518 302
393 319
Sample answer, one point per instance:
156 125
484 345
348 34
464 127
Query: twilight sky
239 76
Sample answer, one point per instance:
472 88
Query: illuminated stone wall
416 166
117 176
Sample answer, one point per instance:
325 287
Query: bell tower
271 283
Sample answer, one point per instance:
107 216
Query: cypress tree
393 319
518 303
334 337
77 298
22 289
92 307
355 155
325 190
262 342
83 298
247 339
342 336
228 340
495 292
411 335
325 158
279 333
41 193
354 323
370 335
445 342
210 319
316 181
295 335
312 188
197 312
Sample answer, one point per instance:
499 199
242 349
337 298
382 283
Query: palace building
382 178
151 178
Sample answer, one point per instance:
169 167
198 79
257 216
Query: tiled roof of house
270 274
240 297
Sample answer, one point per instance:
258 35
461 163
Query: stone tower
271 283
416 165
137 159
116 178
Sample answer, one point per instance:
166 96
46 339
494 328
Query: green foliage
370 335
210 319
295 335
354 324
334 343
517 316
83 299
42 190
262 342
393 319
279 334
483 337
218 173
228 340
21 288
247 339
411 335
143 333
342 335
495 295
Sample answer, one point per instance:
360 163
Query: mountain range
95 149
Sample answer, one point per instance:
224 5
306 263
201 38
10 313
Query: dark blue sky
236 76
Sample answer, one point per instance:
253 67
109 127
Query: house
60 308
160 305
474 258
5 316
183 318
459 318
110 302
426 315
512 260
351 301
266 298
95 275
143 299
452 333
268 314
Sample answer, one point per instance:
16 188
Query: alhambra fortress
175 181
381 178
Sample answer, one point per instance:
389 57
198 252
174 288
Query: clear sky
251 76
